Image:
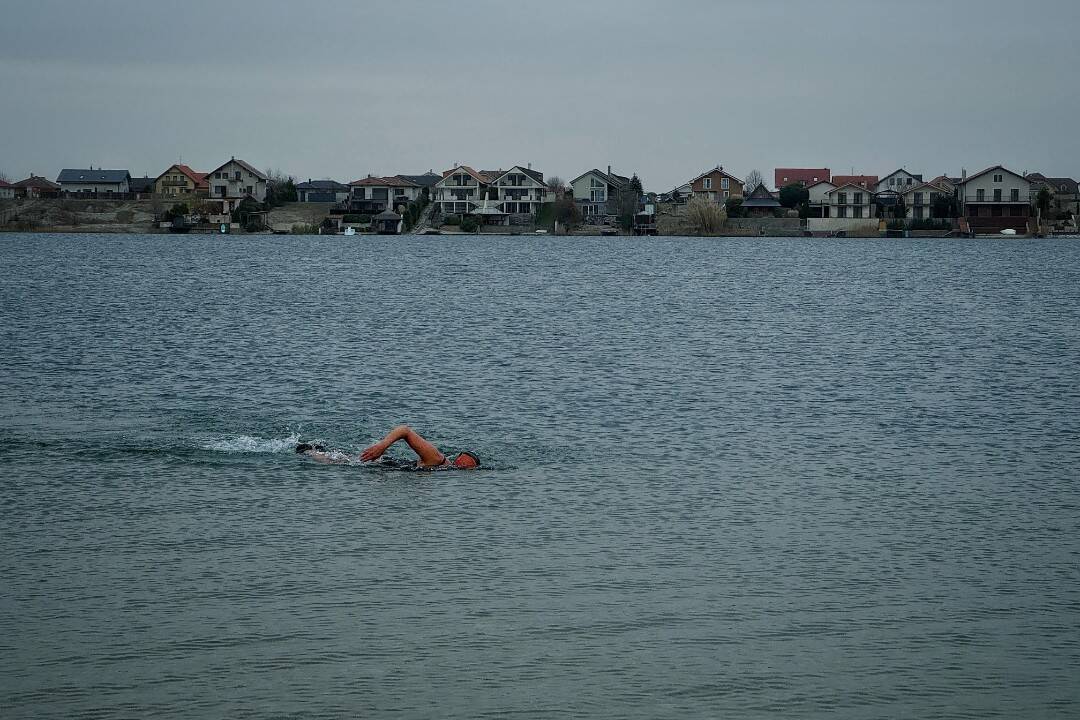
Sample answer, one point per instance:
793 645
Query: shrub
452 220
704 218
469 224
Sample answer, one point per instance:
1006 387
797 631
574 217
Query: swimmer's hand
375 451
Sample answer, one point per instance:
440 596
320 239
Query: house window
909 181
727 194
237 176
708 183
858 199
1014 195
841 212
725 184
980 195
857 211
997 195
841 198
892 181
997 178
918 198
598 195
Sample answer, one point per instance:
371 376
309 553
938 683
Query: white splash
250 444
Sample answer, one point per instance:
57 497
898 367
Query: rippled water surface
725 478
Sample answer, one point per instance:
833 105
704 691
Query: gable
996 169
241 165
531 175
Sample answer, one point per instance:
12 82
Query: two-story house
521 191
596 193
180 179
235 180
851 200
91 181
818 200
919 200
461 189
716 186
996 199
373 195
1064 192
7 190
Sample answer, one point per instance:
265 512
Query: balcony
1007 199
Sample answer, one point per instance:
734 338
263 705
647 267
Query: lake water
749 478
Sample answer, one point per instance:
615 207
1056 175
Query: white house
994 199
7 190
595 192
818 199
459 191
521 191
851 200
94 181
234 181
899 181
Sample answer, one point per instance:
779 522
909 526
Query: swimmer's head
466 461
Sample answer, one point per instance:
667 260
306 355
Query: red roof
199 178
867 181
6 184
37 182
484 176
804 176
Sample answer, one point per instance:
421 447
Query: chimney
608 169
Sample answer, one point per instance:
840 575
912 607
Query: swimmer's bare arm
429 454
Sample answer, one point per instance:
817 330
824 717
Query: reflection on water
753 478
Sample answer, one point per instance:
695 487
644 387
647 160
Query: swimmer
429 456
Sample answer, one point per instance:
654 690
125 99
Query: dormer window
998 178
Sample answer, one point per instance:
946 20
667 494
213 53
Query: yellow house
181 180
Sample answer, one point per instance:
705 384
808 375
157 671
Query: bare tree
4 177
753 181
557 185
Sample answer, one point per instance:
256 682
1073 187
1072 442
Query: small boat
1008 231
541 232
350 230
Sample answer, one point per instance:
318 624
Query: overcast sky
342 88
